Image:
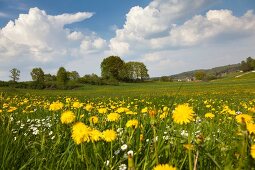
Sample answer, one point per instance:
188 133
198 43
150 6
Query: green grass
219 143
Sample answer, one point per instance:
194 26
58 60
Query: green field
187 125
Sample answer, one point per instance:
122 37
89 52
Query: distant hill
217 71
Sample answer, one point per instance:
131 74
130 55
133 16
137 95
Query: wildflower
77 105
102 110
55 106
132 123
144 110
93 120
188 146
152 113
253 151
131 164
251 128
209 115
80 133
88 107
124 147
183 114
164 167
67 117
95 135
109 135
163 115
123 167
244 118
113 117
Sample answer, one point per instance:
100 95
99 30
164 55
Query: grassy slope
229 84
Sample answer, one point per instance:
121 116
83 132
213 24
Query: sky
168 36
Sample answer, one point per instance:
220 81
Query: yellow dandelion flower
188 146
132 123
80 133
93 120
113 117
67 117
244 118
251 128
183 114
164 167
209 115
55 106
102 110
253 151
88 107
109 135
77 105
95 135
144 110
163 115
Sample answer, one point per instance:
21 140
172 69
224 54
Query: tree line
113 71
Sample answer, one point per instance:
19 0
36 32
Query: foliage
248 65
15 74
37 75
111 67
166 79
62 76
134 71
200 75
73 75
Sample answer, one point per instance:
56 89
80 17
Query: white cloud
40 39
4 15
155 27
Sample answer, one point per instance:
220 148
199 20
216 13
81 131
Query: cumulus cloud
37 38
156 27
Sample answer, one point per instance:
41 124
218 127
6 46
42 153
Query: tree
200 75
135 71
73 75
15 74
62 75
248 65
111 67
37 75
49 77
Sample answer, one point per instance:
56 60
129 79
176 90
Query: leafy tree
49 77
62 76
15 74
135 71
200 75
111 67
73 75
37 75
248 65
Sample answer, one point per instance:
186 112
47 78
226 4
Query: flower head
93 120
67 117
80 133
209 115
183 114
109 135
56 106
113 117
244 118
132 123
164 167
253 151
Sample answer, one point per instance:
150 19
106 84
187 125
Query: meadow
153 125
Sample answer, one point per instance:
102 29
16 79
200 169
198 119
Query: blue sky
169 36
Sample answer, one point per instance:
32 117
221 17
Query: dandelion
164 167
251 128
80 133
183 114
67 117
112 117
188 146
244 118
95 135
102 110
209 115
253 151
93 120
77 105
109 135
55 106
88 107
132 123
